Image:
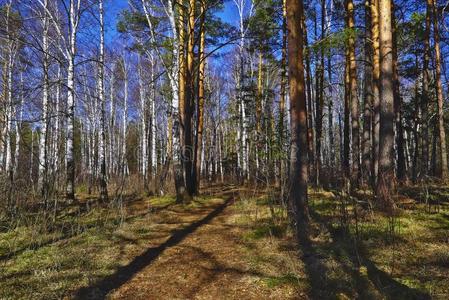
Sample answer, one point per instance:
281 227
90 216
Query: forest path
203 258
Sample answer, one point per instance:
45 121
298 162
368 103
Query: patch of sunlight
286 279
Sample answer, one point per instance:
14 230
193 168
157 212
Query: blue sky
112 10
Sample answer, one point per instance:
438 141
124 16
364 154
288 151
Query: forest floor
230 243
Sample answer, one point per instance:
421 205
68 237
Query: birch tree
43 138
102 140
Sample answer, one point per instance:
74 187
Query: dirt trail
204 259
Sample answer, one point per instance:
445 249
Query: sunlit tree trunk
376 91
259 96
9 112
310 126
123 150
153 128
439 87
200 102
43 138
354 102
70 159
143 122
298 160
102 139
386 143
243 126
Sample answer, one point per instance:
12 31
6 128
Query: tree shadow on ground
353 273
100 289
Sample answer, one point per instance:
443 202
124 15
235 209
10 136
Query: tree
440 99
367 109
354 102
376 89
43 139
74 18
189 99
200 100
243 13
298 155
282 100
400 142
425 93
102 150
12 28
386 159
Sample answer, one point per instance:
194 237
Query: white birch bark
143 128
102 138
112 150
153 120
43 138
173 73
124 119
243 12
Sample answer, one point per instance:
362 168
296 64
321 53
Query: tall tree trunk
386 143
200 102
243 126
112 160
426 94
70 159
298 159
353 94
310 127
188 108
43 138
439 87
367 117
401 173
102 141
376 91
416 127
153 128
259 96
123 150
143 123
182 85
178 116
320 101
282 101
346 121
9 166
330 113
19 115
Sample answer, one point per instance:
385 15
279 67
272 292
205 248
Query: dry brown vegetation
233 243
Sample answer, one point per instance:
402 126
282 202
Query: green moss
287 279
162 201
266 230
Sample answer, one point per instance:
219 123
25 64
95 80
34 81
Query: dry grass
205 250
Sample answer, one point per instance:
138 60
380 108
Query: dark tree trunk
367 109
